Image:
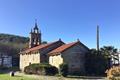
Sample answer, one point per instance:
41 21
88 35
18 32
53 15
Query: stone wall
45 51
75 58
39 56
29 58
55 60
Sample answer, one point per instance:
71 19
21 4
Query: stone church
54 53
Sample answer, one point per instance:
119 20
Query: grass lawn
7 77
28 77
34 77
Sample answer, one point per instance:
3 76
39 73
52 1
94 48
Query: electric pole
98 39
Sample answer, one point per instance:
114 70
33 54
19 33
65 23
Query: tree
101 60
96 64
108 51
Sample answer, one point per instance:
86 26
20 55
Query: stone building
73 54
53 53
35 37
37 52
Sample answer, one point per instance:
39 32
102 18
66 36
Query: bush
64 69
41 69
113 73
95 61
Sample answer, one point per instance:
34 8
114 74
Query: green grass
7 77
31 77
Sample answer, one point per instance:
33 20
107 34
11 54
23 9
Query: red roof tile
62 48
39 47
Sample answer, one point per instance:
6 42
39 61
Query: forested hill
11 44
8 38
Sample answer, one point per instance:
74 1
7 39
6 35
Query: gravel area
37 77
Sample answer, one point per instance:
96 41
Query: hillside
11 44
12 38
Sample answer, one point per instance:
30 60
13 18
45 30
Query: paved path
37 77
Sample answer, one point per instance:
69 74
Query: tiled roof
39 47
62 48
65 47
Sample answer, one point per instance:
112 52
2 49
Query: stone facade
27 59
39 55
45 51
73 56
54 53
56 60
35 37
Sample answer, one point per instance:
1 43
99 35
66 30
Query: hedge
64 69
41 69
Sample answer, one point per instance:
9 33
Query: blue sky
65 19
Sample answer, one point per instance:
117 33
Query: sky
65 19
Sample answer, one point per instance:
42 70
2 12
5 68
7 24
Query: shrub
95 61
113 73
41 69
64 69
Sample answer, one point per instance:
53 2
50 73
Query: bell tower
35 36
